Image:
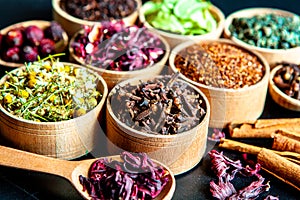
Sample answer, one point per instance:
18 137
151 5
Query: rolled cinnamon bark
252 149
280 167
284 143
263 128
290 134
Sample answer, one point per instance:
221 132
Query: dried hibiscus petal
226 170
114 46
110 179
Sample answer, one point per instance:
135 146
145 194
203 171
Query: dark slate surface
21 184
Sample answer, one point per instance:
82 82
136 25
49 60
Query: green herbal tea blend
49 90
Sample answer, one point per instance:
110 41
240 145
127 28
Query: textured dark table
21 184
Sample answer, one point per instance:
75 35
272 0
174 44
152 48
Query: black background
21 184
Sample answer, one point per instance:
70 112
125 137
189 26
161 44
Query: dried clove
160 106
287 79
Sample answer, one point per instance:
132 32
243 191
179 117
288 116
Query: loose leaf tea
99 10
113 46
48 90
219 65
268 31
159 106
136 177
287 79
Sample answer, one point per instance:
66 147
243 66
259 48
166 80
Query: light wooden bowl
174 39
112 77
180 152
60 46
72 24
65 139
272 56
280 97
226 104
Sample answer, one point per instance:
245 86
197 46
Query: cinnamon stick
290 134
252 149
284 143
261 123
263 128
280 167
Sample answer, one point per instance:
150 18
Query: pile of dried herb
270 31
185 17
137 177
48 90
159 106
287 79
114 46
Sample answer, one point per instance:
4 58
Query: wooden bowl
180 152
60 46
64 139
113 77
72 24
174 39
272 56
280 97
227 104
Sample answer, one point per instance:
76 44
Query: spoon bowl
69 170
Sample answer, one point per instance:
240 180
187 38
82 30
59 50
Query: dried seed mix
219 65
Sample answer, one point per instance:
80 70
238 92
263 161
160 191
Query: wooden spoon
69 170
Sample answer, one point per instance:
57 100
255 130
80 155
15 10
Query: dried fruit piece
14 37
30 53
34 34
54 31
47 46
12 54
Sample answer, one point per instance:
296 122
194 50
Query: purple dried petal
226 169
129 48
216 135
222 190
222 165
270 197
252 191
110 180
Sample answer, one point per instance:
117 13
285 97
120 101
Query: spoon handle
10 157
